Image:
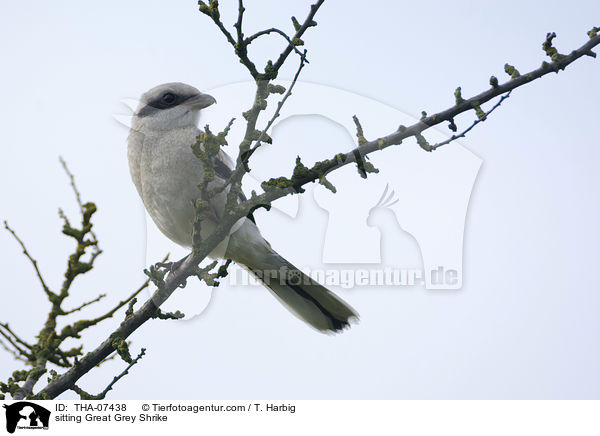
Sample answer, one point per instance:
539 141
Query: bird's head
171 106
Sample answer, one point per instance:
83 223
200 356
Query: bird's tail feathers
303 296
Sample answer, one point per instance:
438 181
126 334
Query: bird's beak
200 101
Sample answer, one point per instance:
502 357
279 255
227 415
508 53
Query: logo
26 415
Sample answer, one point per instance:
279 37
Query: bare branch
51 295
133 322
78 308
238 24
251 38
6 327
212 11
85 396
78 198
308 22
17 349
277 112
32 378
112 356
477 121
72 181
279 187
15 354
76 328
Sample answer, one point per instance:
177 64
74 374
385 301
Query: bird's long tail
303 296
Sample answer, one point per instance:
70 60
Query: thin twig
78 308
280 104
6 327
251 38
21 351
308 22
14 353
85 396
238 46
112 356
238 24
51 295
477 121
82 325
78 198
72 182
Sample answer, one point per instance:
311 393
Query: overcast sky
524 324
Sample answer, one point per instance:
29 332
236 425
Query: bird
166 174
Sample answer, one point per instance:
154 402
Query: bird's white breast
166 174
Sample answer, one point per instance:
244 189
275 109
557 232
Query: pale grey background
525 324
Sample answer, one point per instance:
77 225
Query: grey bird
166 174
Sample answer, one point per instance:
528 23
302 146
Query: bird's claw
170 266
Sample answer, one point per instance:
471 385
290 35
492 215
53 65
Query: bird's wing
221 169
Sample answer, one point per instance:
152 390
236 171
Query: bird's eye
168 97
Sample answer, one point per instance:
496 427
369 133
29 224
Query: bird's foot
170 266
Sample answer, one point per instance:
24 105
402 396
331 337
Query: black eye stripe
158 103
161 102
